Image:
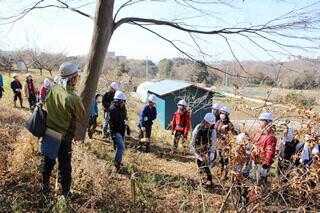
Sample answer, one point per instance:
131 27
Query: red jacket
266 146
181 122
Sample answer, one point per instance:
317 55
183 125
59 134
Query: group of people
212 139
29 88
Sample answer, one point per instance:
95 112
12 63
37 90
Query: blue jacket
147 112
1 81
94 110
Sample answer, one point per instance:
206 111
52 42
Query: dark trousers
204 168
92 125
224 160
177 136
148 135
17 95
64 159
32 100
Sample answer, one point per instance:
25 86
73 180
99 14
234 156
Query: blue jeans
120 148
106 123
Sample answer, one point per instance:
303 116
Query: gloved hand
126 122
145 118
143 129
263 172
200 158
212 156
172 133
225 126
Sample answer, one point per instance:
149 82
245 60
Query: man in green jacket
63 108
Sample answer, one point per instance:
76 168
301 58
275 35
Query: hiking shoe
117 167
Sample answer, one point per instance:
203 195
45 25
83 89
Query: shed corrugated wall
167 106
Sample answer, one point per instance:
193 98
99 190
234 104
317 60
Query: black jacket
117 117
15 85
107 100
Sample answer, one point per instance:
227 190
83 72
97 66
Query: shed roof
167 86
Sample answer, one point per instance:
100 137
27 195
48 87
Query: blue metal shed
170 92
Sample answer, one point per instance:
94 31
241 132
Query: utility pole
226 79
147 69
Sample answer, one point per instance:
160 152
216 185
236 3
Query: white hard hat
114 85
288 135
311 136
68 69
182 102
210 118
153 98
56 80
266 116
28 74
14 75
119 95
46 81
242 138
225 109
216 106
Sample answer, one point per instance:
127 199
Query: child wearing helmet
30 90
310 149
264 147
223 128
107 99
118 123
216 110
16 88
44 89
180 125
93 117
1 86
148 114
56 80
203 145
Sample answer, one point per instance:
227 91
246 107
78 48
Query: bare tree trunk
40 71
103 29
50 71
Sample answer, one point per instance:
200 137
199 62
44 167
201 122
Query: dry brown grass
163 182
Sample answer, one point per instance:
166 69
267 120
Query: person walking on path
180 126
30 91
63 108
118 123
107 99
16 88
148 114
203 145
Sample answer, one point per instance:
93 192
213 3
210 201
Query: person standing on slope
180 125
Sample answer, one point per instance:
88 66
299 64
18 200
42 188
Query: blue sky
56 31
